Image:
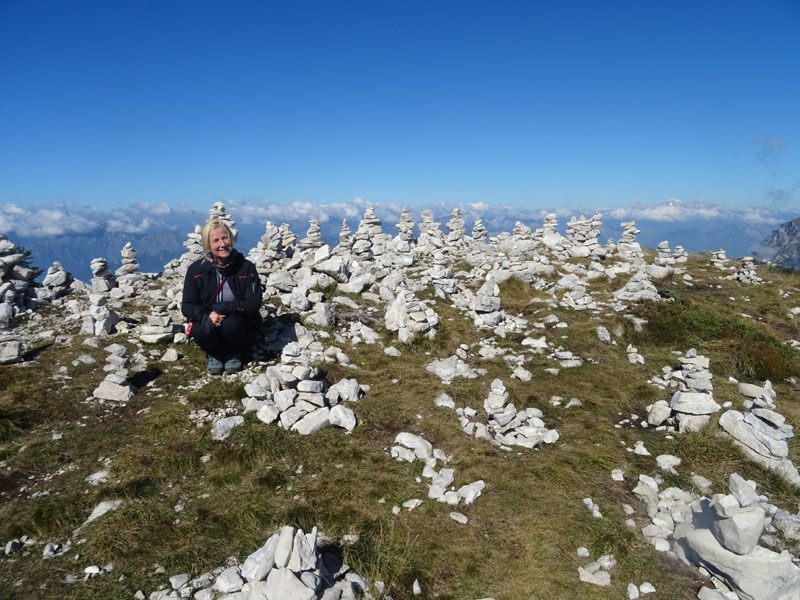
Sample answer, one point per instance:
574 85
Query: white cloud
673 210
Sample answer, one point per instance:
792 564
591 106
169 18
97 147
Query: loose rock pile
289 566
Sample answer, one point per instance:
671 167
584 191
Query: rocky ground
447 415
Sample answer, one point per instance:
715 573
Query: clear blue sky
572 103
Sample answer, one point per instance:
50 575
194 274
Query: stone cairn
583 234
411 447
57 281
288 238
761 432
103 279
129 264
720 536
693 403
400 251
458 231
410 317
719 260
663 262
637 289
194 242
293 395
506 426
17 293
313 239
430 234
289 565
485 305
269 252
127 274
115 387
679 255
99 319
746 273
441 276
159 326
345 243
627 246
479 232
549 236
369 240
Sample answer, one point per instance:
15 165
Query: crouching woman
222 298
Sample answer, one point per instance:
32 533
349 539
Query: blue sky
529 104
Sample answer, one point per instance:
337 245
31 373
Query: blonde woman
221 298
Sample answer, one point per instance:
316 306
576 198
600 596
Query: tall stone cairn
313 239
345 241
458 231
479 232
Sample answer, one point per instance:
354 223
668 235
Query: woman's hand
216 318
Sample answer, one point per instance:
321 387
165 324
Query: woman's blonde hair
205 233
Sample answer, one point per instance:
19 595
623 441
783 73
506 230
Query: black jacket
201 283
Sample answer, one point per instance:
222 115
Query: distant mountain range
737 237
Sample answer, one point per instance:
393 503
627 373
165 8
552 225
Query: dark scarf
232 265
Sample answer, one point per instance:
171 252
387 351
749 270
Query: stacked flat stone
761 432
549 236
129 264
720 260
638 289
313 239
746 273
431 236
218 212
17 290
194 252
627 246
99 319
582 234
362 243
691 407
441 276
663 264
159 326
115 387
721 536
400 252
522 243
345 242
506 426
369 239
288 238
410 447
103 279
288 566
293 395
479 232
410 317
457 229
57 282
679 255
269 251
485 305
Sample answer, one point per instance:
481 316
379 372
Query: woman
222 297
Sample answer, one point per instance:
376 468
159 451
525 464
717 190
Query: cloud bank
52 220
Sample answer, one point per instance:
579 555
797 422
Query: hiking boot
213 365
233 365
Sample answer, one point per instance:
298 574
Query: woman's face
221 245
